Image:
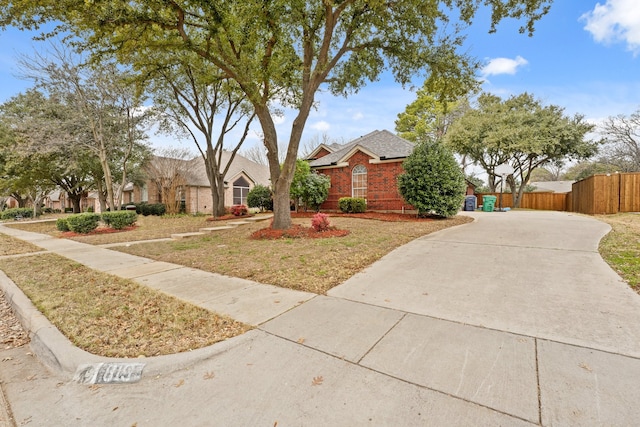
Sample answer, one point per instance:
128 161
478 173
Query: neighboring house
552 186
242 176
366 167
58 200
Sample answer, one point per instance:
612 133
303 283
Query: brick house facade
366 167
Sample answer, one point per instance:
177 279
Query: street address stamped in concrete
109 373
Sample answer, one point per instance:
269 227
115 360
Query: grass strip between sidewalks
12 246
114 317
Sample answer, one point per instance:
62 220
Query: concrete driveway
511 320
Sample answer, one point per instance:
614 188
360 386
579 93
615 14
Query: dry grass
313 265
114 317
12 246
148 228
621 247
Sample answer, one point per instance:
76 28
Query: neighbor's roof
380 144
258 173
552 186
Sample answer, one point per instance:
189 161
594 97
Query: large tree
108 108
194 98
522 132
43 139
622 134
284 50
438 103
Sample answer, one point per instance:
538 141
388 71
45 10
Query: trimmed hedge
61 224
14 212
119 219
147 209
83 223
352 205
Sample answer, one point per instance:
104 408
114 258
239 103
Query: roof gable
197 173
379 145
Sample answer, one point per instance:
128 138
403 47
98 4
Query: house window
359 182
144 197
240 190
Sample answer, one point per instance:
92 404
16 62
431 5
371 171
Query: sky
584 57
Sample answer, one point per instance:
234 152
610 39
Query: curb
59 354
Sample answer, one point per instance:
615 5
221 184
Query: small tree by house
168 172
260 197
315 190
433 181
309 189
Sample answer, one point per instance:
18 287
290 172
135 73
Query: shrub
14 212
68 210
61 224
352 204
83 223
320 222
433 180
239 210
315 190
260 197
147 209
119 219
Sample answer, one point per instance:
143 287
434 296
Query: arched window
240 190
359 182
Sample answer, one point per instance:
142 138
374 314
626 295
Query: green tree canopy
522 132
433 181
283 51
430 115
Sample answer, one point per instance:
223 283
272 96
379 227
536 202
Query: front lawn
313 265
621 247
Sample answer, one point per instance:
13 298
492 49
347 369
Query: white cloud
321 126
615 21
498 66
278 119
357 116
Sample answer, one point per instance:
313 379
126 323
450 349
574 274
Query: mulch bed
297 232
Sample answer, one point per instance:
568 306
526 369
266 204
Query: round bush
83 223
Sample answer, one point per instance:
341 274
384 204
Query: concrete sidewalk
511 320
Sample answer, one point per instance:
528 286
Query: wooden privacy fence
541 201
598 194
607 194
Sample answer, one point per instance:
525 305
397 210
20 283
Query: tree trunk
75 201
101 196
218 197
22 201
216 181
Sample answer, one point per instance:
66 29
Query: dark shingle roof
380 143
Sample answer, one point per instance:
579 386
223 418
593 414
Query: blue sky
584 57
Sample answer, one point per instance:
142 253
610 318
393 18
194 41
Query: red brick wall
382 187
323 152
